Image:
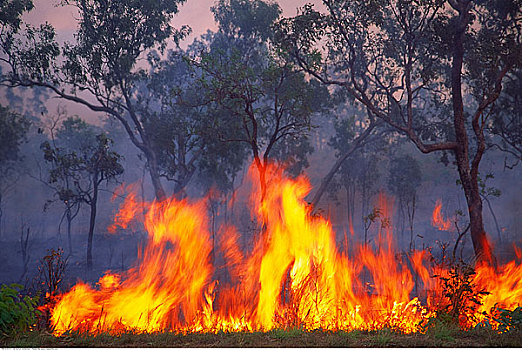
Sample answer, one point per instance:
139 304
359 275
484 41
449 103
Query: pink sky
195 13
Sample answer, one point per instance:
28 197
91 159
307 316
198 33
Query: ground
441 337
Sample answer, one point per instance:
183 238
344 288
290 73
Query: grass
442 337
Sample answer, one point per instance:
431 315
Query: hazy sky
195 13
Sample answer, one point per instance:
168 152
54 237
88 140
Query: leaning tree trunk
329 177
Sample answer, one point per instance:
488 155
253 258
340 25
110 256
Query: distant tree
506 121
414 65
81 160
260 98
13 130
100 68
486 192
403 181
359 172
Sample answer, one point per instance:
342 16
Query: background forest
363 100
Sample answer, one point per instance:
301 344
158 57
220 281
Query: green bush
17 313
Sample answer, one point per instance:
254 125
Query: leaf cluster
17 313
461 297
13 130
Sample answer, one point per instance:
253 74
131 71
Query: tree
177 113
13 130
81 161
260 98
413 65
404 179
100 69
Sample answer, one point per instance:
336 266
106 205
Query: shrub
17 313
460 296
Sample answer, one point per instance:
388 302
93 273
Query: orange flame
437 220
293 277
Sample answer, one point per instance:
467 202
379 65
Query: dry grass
275 338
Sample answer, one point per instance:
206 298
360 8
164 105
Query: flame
294 276
437 220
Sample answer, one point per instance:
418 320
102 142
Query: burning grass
294 278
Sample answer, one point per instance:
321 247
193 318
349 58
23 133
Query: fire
437 220
294 276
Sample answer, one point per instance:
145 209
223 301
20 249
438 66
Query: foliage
11 11
17 313
460 296
441 327
506 121
13 128
13 131
80 160
177 114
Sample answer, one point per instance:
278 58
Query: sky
194 13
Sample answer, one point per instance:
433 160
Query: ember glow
294 276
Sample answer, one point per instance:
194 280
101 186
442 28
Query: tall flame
294 276
437 220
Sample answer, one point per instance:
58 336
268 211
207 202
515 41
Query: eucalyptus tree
431 69
260 98
101 68
81 160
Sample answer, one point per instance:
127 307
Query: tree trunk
468 176
411 217
155 177
69 222
92 221
481 244
348 209
261 168
499 232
